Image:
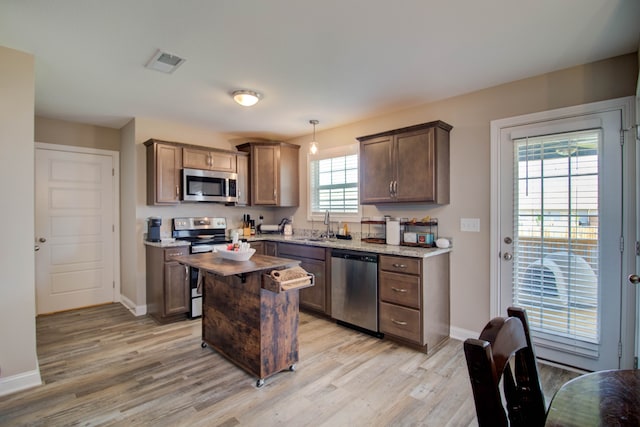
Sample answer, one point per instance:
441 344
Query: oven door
195 309
208 186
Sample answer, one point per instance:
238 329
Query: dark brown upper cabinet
408 165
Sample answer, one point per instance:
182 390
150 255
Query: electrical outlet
470 224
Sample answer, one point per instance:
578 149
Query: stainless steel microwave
209 186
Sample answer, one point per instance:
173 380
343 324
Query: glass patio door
560 241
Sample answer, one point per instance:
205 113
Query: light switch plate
470 224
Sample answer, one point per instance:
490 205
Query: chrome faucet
327 222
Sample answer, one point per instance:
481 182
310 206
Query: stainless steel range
203 233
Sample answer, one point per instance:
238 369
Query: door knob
634 279
507 256
42 240
508 240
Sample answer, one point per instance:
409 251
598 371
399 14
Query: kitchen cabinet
271 248
273 173
242 182
414 300
314 260
406 165
164 162
167 283
258 246
208 159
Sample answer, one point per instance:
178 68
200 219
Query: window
333 183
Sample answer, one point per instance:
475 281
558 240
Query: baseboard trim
136 310
462 334
20 382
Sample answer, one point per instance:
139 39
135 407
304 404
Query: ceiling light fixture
313 145
246 98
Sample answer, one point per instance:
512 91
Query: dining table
602 398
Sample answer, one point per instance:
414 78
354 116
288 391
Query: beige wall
18 358
61 132
470 115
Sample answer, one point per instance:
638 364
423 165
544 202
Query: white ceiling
337 61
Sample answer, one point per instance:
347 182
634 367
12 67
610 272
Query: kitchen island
246 316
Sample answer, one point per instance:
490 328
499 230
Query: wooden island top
214 263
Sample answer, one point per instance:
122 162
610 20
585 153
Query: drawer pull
399 290
399 265
399 322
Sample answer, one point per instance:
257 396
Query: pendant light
313 145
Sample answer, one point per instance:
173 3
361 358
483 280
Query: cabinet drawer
401 289
298 251
400 321
400 264
171 252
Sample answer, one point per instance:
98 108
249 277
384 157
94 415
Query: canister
393 231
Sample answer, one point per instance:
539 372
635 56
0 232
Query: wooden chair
504 352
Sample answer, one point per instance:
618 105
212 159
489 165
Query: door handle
634 279
42 240
36 248
507 256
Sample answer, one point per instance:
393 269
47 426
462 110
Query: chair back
504 352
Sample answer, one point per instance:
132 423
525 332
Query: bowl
236 256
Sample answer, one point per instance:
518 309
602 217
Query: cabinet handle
399 322
402 291
399 265
209 160
395 188
186 274
177 190
391 188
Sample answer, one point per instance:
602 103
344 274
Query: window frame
328 153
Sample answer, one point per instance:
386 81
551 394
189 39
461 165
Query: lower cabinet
167 283
313 259
414 300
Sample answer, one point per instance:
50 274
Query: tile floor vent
164 62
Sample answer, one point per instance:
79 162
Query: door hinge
635 362
619 349
621 136
637 248
113 228
113 171
114 284
621 243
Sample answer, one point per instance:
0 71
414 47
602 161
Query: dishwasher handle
355 255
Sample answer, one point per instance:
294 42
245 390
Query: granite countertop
354 245
168 243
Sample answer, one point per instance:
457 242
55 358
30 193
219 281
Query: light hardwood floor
103 366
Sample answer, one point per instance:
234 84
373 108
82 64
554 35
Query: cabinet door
196 159
415 173
259 247
208 159
167 165
376 170
176 288
315 297
264 181
271 248
242 182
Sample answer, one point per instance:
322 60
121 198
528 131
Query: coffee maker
153 228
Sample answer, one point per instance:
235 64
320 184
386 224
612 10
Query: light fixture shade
246 98
313 145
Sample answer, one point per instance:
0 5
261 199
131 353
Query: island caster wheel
203 344
260 383
292 367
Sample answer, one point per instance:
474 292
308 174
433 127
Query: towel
289 274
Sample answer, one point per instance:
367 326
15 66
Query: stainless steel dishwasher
354 289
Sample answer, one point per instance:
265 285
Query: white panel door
74 230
